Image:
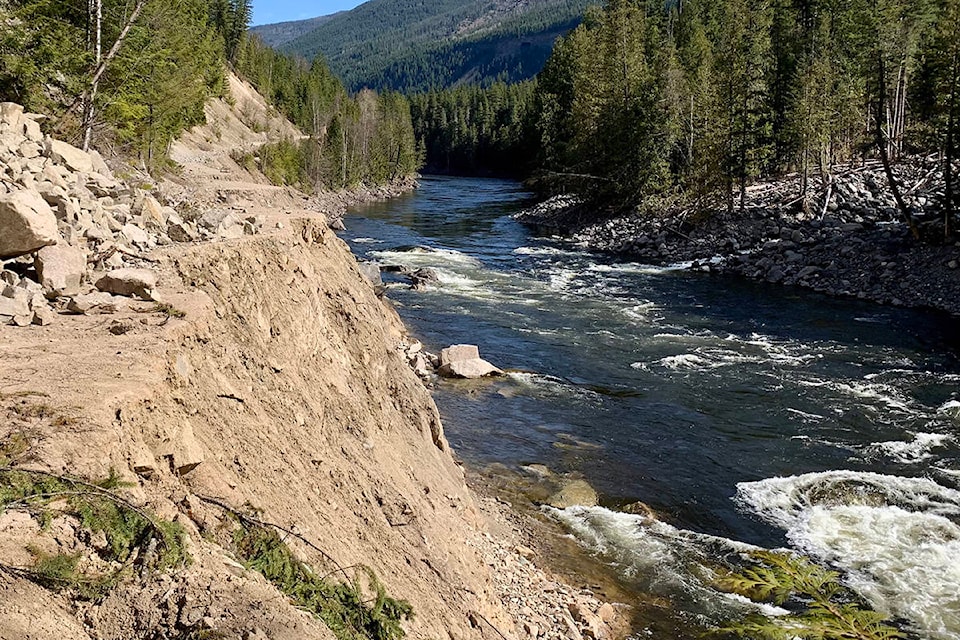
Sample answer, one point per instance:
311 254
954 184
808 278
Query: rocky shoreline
846 240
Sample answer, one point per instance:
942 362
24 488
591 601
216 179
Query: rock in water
576 493
129 282
27 223
464 361
371 271
60 267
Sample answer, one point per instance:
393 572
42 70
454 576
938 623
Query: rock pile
70 231
847 238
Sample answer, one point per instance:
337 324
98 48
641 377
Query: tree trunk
948 200
881 143
103 62
97 15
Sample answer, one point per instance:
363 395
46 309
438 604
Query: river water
743 414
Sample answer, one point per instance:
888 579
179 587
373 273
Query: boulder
231 227
574 493
14 306
44 316
422 277
61 268
129 282
69 155
31 129
12 114
464 361
96 302
152 214
371 271
135 234
27 223
143 462
99 165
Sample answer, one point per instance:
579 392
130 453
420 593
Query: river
743 414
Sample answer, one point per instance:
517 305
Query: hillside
283 32
411 45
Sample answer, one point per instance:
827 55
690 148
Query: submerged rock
575 493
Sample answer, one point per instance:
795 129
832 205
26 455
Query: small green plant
13 447
823 609
341 605
168 310
133 536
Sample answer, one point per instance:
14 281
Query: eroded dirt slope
281 391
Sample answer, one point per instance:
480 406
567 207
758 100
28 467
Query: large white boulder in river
464 361
27 223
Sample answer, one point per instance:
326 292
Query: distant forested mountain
416 45
280 33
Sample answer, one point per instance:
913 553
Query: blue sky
269 11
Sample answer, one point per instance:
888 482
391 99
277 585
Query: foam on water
896 538
638 268
367 241
662 558
426 257
913 451
686 361
951 409
546 251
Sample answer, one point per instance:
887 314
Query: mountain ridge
416 45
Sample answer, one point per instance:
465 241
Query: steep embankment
271 382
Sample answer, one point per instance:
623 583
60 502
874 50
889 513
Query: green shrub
341 605
822 608
133 536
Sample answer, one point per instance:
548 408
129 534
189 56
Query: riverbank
846 240
210 345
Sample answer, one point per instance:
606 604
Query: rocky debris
63 212
423 363
464 361
574 493
129 282
846 239
544 607
27 223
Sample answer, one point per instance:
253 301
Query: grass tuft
168 310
